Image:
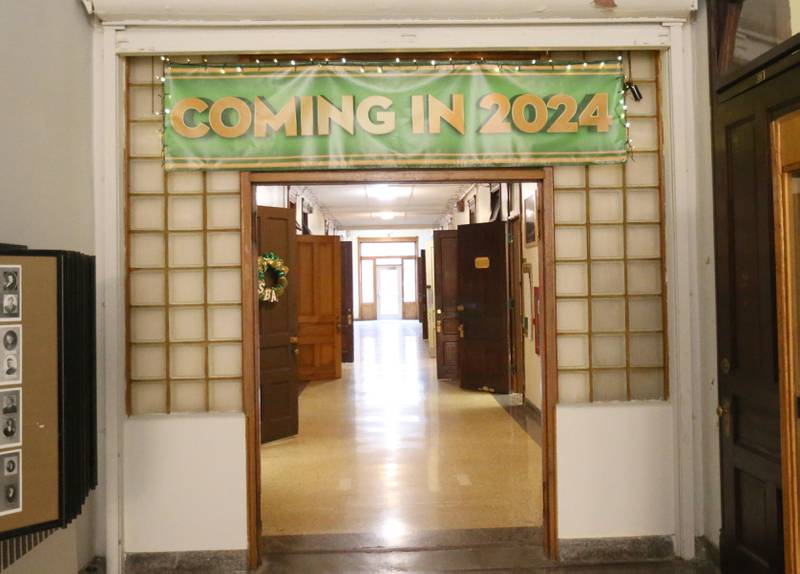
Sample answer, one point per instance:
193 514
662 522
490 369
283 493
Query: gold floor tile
388 449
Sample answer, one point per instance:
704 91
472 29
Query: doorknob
338 325
725 366
296 351
459 308
438 325
725 418
461 331
349 318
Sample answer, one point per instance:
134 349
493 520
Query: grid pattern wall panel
610 299
184 270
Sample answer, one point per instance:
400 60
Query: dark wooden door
516 309
319 304
445 268
278 330
749 405
483 302
347 302
422 293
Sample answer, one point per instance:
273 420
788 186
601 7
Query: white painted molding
681 245
359 11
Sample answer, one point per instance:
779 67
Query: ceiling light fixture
385 192
387 215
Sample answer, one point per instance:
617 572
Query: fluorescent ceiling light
387 215
384 192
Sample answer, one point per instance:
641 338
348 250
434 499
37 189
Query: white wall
47 195
185 483
615 470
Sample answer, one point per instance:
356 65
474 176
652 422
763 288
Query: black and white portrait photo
10 292
11 355
11 482
10 417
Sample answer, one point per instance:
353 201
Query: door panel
749 405
347 302
445 259
516 309
278 329
422 294
319 307
483 297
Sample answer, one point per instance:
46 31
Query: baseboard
706 550
206 561
616 549
536 411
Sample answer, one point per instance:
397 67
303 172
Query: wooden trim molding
785 160
547 270
250 369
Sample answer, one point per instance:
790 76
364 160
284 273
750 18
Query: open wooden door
483 307
319 302
347 302
786 198
445 251
422 294
278 330
516 310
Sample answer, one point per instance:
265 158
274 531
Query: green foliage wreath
271 264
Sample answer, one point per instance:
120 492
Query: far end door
347 302
319 317
278 330
483 307
445 264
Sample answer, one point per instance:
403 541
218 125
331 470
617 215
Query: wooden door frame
359 242
784 162
250 359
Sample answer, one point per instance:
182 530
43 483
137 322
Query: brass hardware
338 325
725 418
461 331
293 340
296 352
459 308
438 311
438 325
725 366
349 318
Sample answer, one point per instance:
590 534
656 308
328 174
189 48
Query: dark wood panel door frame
347 302
250 364
749 391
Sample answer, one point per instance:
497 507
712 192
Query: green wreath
277 269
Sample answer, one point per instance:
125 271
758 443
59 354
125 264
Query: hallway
389 451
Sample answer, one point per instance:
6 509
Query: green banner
379 116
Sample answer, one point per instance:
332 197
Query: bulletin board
30 388
48 388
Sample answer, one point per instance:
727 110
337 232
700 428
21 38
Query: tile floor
388 450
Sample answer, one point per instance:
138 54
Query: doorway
390 305
371 342
786 198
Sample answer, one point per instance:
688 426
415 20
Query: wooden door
278 329
516 305
445 268
319 301
483 307
749 404
786 185
422 294
347 302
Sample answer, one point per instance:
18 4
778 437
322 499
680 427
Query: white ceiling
356 207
